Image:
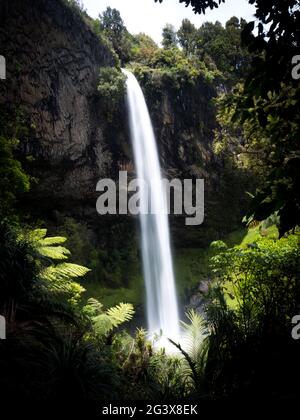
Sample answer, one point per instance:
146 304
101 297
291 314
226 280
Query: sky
150 17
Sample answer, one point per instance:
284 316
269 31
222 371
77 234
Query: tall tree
112 24
269 103
143 48
169 37
187 36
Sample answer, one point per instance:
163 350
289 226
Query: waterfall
162 310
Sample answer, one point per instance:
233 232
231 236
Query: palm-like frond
48 247
193 347
112 318
54 252
52 240
194 335
102 324
121 313
96 306
63 271
58 280
36 234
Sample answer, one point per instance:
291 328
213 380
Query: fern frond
121 313
64 271
54 252
47 247
112 318
103 324
194 334
67 291
193 348
37 234
95 305
52 240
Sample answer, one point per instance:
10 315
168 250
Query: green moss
243 237
134 293
191 266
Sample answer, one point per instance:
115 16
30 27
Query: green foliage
53 252
55 278
187 36
191 266
266 272
263 112
267 105
214 51
105 321
148 374
111 83
199 6
194 334
171 69
269 149
121 313
14 181
254 295
111 89
193 348
112 26
115 270
224 47
18 269
218 245
13 178
77 6
47 333
133 293
240 345
143 48
169 37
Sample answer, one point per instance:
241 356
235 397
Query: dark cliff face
53 62
184 120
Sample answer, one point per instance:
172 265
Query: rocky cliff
53 63
184 119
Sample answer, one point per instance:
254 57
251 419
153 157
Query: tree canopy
169 37
267 104
200 6
113 27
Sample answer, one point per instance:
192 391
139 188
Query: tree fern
63 271
194 334
52 240
102 325
54 252
36 234
48 247
193 347
121 313
56 279
95 305
112 318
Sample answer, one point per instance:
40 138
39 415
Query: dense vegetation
63 343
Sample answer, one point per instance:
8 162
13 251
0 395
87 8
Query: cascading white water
162 310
